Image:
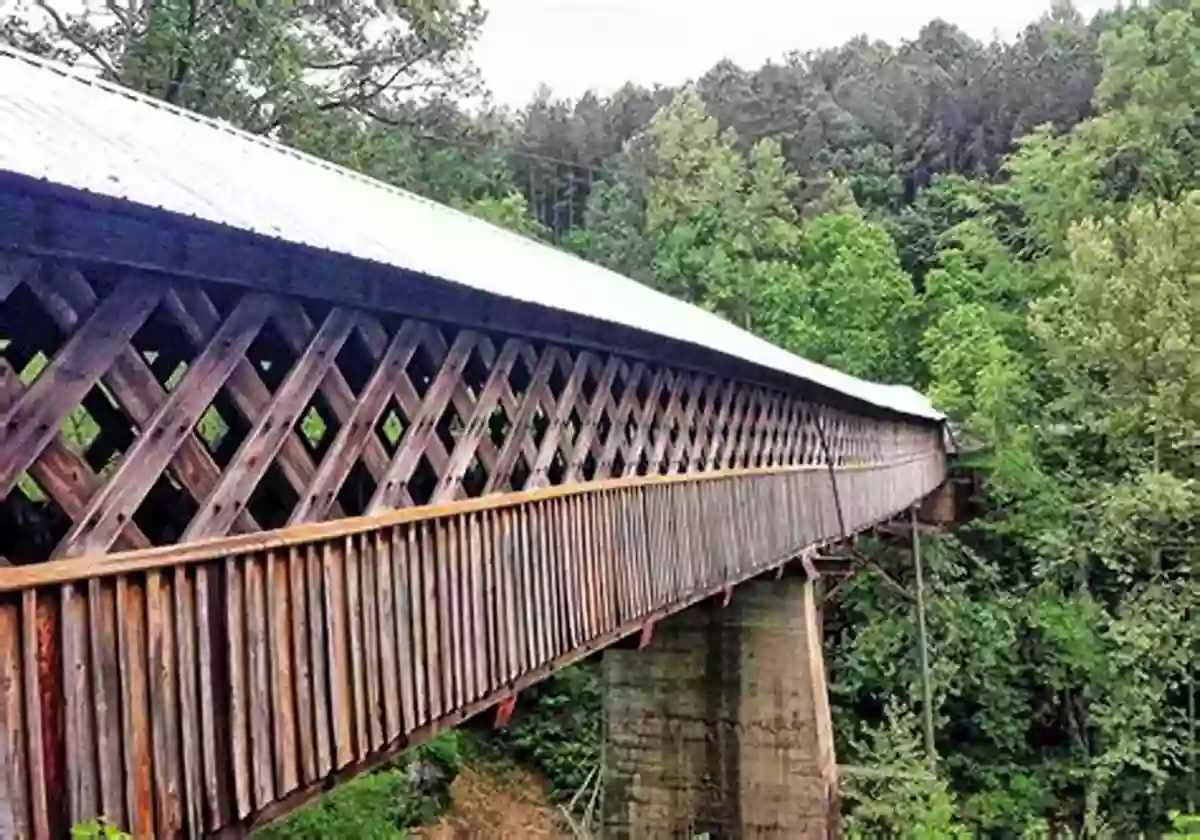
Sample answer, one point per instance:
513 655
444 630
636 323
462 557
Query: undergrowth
383 805
556 728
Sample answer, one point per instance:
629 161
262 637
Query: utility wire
411 130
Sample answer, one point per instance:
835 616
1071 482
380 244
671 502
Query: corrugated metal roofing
75 131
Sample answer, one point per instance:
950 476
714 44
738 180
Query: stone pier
721 726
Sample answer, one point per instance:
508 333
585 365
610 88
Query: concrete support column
721 726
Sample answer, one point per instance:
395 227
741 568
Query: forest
1012 227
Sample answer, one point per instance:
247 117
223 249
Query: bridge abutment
721 724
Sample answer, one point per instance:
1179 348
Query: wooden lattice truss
139 411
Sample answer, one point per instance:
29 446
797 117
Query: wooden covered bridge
297 468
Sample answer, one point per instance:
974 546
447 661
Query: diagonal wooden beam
33 421
512 406
796 435
558 414
568 404
297 330
168 429
777 449
789 443
716 441
601 400
765 444
609 406
737 420
14 271
616 435
645 417
522 421
195 313
406 395
695 456
69 299
358 429
257 452
750 425
665 422
410 403
809 438
686 418
465 449
756 443
799 436
785 452
463 402
423 426
62 472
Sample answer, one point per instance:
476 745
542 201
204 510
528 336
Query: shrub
381 805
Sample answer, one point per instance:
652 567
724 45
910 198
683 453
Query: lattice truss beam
138 412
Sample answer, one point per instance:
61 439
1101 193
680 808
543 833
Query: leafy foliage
898 789
557 728
97 830
261 65
382 805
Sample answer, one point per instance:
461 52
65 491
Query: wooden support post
923 642
1191 713
646 635
810 567
504 711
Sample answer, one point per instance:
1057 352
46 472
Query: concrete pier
721 726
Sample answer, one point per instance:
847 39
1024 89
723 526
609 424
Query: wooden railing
182 690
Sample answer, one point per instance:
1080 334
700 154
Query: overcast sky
574 45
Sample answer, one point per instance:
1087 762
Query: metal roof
75 131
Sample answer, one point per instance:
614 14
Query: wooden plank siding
456 514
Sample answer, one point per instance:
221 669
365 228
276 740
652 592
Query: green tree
1123 335
725 233
263 64
896 794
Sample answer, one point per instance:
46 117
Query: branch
357 99
65 30
870 565
117 12
356 94
182 64
384 118
355 61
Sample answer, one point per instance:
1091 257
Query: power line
193 87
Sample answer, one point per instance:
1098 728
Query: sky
577 45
